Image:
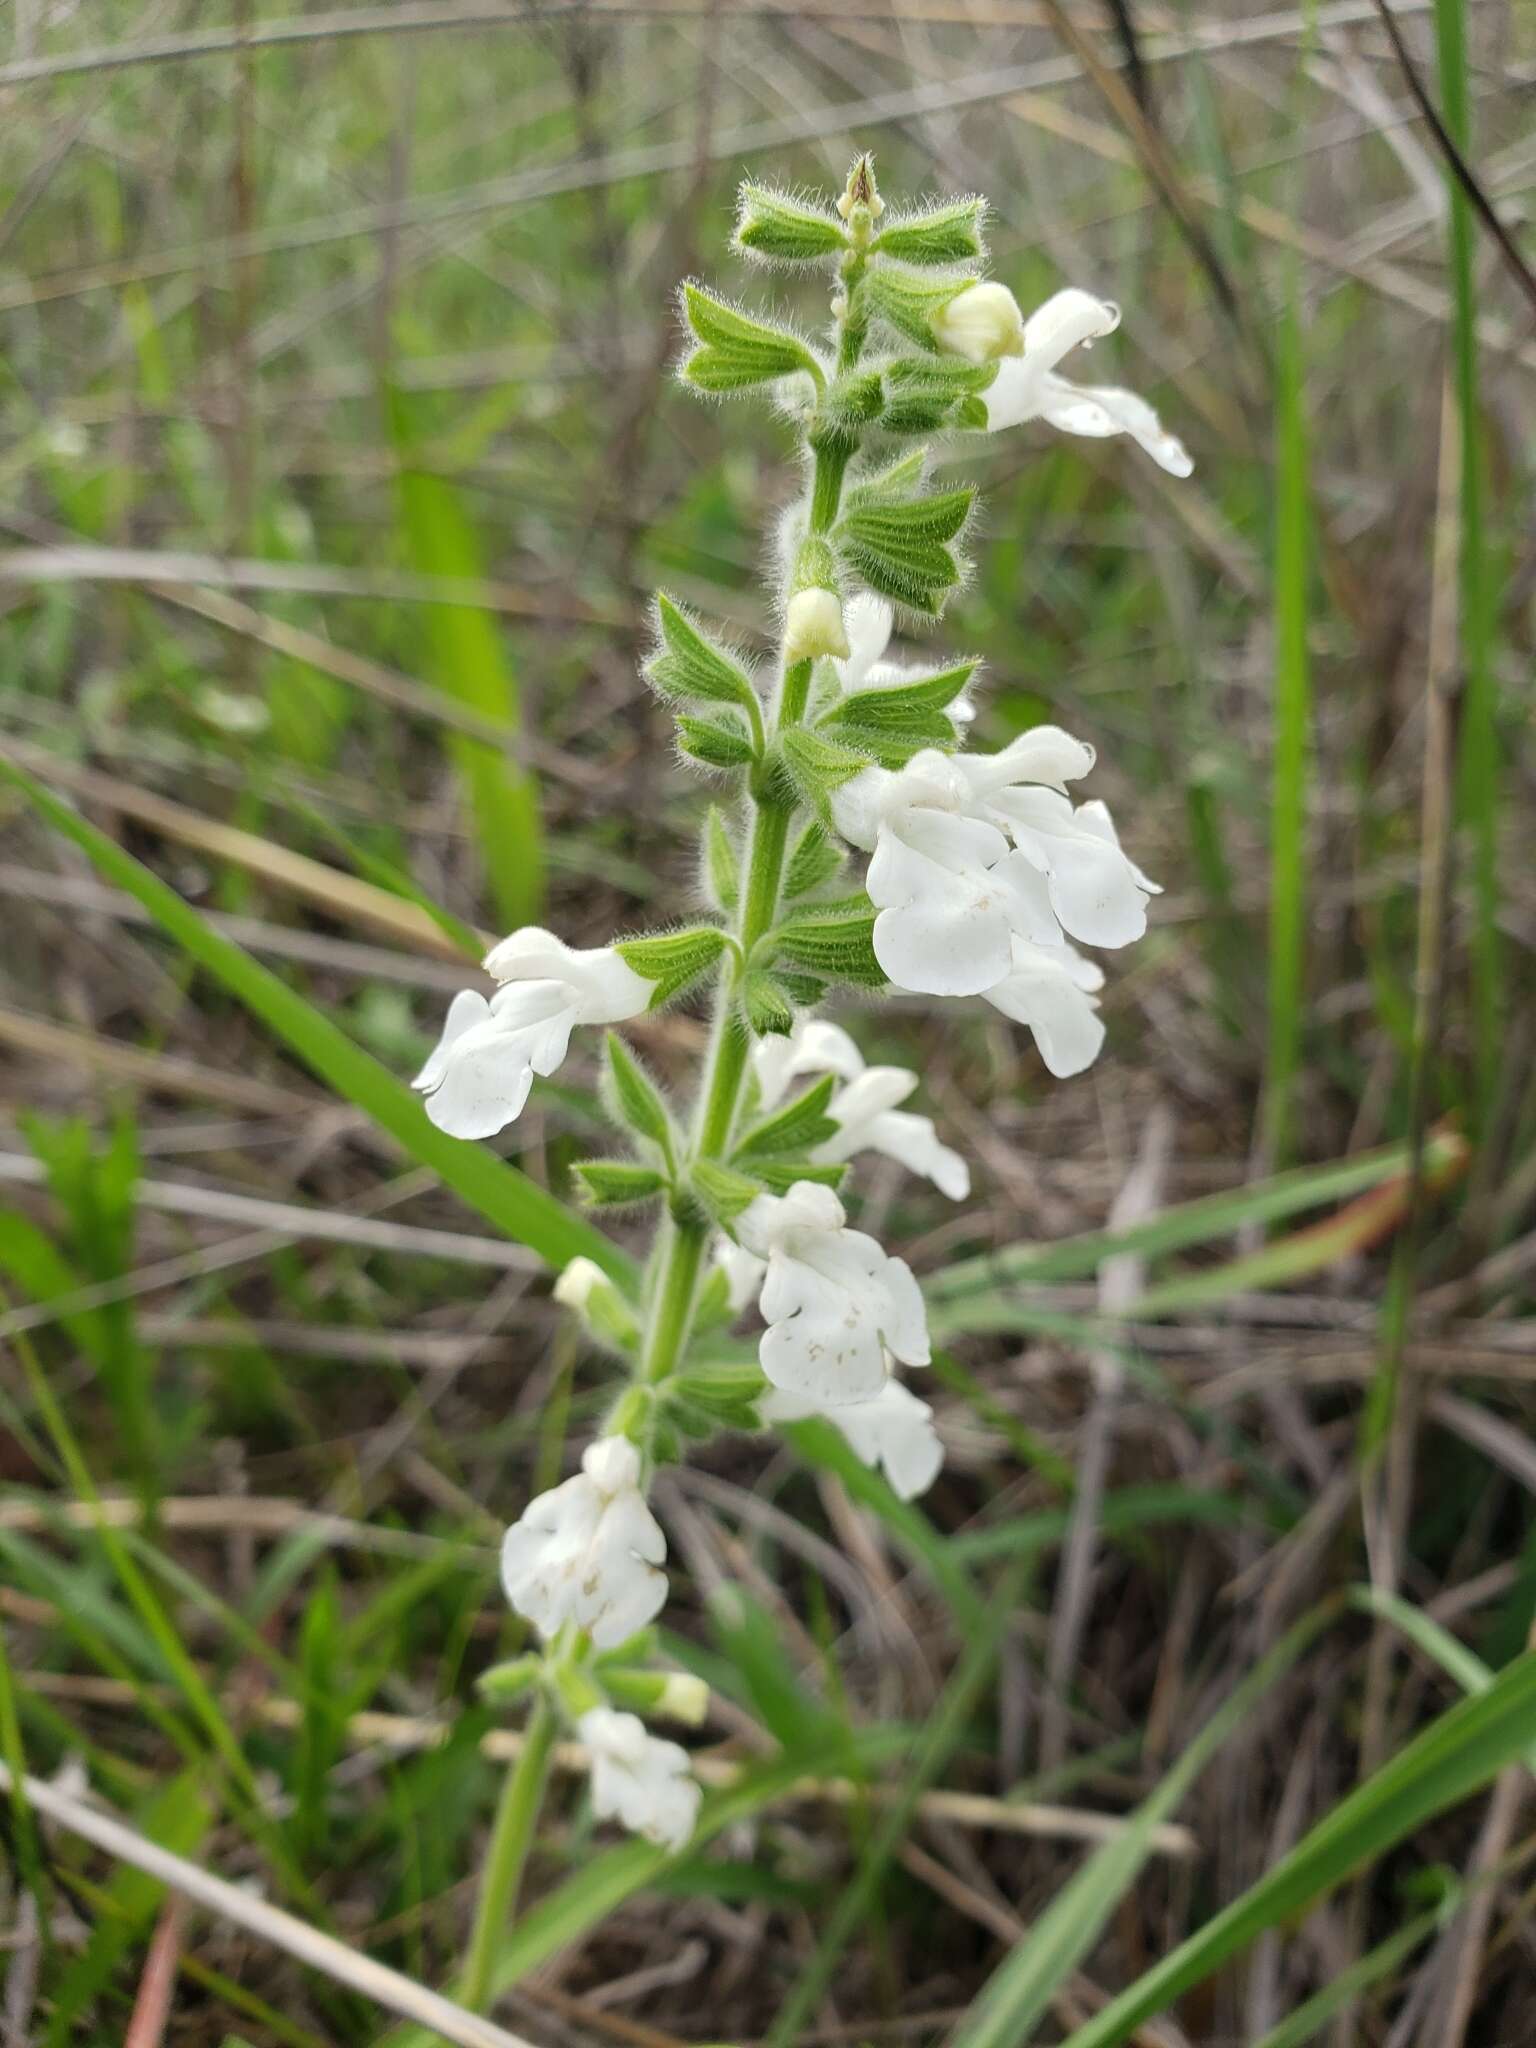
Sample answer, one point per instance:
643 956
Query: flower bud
507 1682
683 1698
585 1289
814 625
980 323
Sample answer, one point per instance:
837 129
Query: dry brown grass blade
163 1072
405 1733
317 1951
341 896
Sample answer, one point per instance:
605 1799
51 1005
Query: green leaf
799 1127
691 666
505 1197
634 1097
724 1194
767 1005
674 960
909 301
818 765
949 232
902 704
1445 1763
778 1176
616 1183
898 547
739 352
720 863
841 947
815 859
778 228
717 742
805 989
466 656
924 394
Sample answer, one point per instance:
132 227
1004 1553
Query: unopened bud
585 1289
981 323
684 1698
504 1682
860 190
814 626
574 1287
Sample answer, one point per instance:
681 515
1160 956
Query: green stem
522 1794
679 1253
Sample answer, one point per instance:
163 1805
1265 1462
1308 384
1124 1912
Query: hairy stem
522 1794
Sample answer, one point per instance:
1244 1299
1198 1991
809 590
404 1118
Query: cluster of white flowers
983 877
982 869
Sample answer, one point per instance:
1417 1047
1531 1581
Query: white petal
638 1779
1100 410
465 1011
914 1143
1045 992
482 1084
1044 754
867 619
605 988
743 1273
823 1048
895 1430
1093 888
1067 319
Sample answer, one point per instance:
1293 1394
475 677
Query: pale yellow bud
574 1287
814 625
981 323
683 1698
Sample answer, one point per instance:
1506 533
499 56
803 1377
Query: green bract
738 352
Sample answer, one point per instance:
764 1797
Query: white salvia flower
864 1108
834 1301
478 1076
1028 388
638 1779
868 620
1052 989
1094 893
743 1273
981 323
813 625
947 892
894 1430
589 1551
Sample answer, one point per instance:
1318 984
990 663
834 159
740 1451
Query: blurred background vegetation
341 452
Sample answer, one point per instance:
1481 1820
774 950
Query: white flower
835 1303
864 1108
1028 388
894 1430
868 620
945 916
981 323
638 1779
743 1273
1051 988
1093 892
589 1551
813 625
479 1074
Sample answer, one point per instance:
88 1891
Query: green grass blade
1020 1991
1190 1223
1447 1762
469 661
501 1194
1292 722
